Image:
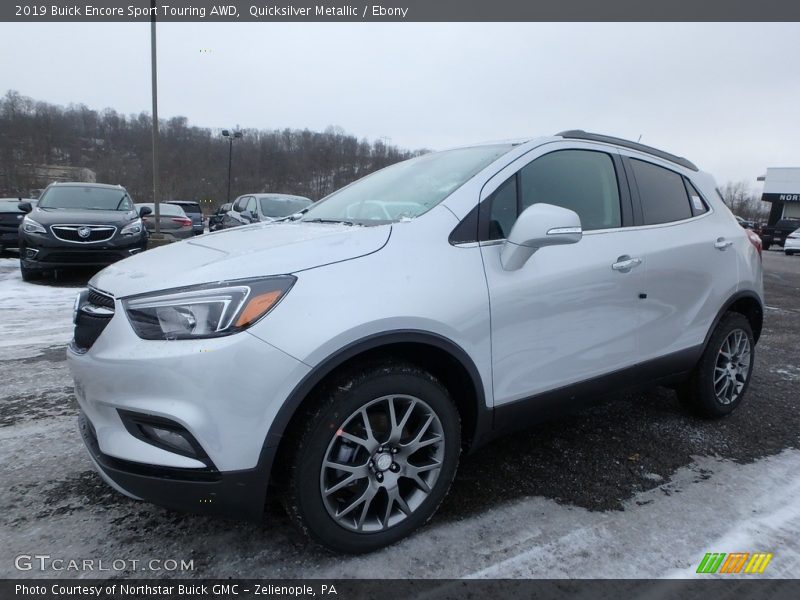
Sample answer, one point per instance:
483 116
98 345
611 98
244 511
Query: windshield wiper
318 220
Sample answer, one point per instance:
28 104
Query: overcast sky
727 96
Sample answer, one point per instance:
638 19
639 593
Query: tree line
193 161
742 201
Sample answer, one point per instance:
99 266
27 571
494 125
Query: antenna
640 138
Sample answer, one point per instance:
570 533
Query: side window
581 180
695 199
662 193
238 206
251 205
504 209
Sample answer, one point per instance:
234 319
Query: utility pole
154 76
231 135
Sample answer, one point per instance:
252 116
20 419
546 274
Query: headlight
31 226
206 311
132 228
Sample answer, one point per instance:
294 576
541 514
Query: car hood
76 216
254 250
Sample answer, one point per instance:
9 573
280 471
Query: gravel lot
634 488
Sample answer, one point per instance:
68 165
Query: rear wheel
720 380
374 460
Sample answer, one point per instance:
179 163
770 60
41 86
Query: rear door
690 267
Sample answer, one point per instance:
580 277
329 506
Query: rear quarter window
662 193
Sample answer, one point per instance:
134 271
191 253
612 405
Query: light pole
231 135
154 76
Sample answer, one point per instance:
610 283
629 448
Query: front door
571 312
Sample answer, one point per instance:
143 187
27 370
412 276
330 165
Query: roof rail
579 134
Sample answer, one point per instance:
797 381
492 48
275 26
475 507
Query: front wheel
29 274
375 459
720 380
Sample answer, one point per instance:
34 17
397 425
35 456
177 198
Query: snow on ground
32 314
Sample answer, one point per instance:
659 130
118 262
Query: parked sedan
193 211
10 219
792 243
218 216
254 208
172 220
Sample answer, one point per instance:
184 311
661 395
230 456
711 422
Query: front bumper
239 494
225 392
792 244
52 253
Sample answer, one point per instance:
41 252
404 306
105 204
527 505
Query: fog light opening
31 253
168 437
165 434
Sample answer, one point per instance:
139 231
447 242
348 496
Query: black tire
29 274
699 394
788 252
317 435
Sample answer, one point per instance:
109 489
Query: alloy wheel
382 463
732 367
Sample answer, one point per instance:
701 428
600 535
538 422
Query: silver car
350 355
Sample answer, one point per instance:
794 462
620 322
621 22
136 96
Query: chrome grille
83 234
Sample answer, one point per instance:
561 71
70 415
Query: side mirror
247 215
145 210
538 226
25 207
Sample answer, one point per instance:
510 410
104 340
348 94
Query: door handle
625 263
722 244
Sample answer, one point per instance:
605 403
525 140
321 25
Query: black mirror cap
25 207
144 211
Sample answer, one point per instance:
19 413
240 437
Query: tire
788 252
346 511
29 274
700 394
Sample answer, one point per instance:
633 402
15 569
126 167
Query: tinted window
190 208
86 198
662 193
580 180
164 209
504 209
695 199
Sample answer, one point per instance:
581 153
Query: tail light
182 221
755 240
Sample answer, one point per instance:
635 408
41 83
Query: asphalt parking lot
633 488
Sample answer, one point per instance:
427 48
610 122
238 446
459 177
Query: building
782 189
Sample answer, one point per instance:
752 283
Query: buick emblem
84 232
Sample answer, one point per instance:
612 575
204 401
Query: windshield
407 189
282 207
86 198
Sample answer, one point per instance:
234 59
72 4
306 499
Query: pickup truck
776 234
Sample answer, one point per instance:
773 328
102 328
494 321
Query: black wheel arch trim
740 295
373 342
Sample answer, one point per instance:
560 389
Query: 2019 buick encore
348 355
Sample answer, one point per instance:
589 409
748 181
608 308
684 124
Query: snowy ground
632 489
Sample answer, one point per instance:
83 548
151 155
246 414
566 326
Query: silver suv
346 356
